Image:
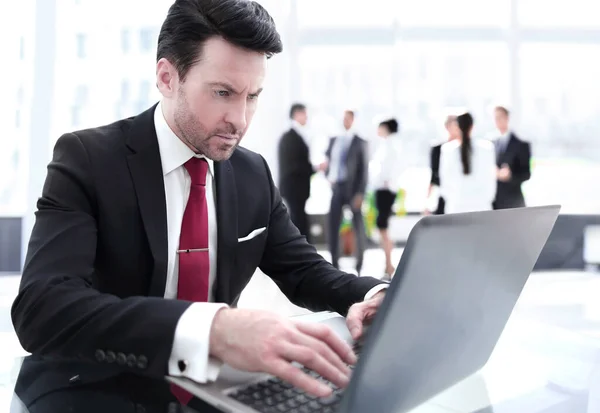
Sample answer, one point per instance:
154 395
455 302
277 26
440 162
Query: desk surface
547 360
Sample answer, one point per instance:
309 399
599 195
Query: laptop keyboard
276 396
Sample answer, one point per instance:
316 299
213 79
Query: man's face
212 108
501 121
348 120
301 117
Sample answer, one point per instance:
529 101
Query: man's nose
236 116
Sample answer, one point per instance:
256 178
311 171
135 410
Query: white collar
300 130
349 133
173 152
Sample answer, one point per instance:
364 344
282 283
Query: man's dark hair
190 23
296 107
503 110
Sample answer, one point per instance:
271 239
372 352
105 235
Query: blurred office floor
547 360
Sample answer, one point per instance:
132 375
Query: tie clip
192 250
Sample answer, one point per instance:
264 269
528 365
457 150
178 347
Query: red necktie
194 261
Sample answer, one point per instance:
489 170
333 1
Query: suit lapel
146 172
227 229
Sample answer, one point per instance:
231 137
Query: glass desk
547 360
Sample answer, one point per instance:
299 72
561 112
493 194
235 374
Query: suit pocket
253 234
250 250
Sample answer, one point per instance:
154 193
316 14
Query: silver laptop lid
455 287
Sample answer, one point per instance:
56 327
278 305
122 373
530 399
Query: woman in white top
467 171
386 168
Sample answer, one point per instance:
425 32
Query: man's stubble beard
194 134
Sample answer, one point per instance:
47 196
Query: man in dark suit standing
513 158
348 171
148 230
296 169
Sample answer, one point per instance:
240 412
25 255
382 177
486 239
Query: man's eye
252 97
222 93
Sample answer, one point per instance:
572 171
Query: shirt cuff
190 353
371 293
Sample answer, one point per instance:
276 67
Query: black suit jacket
295 168
91 300
517 155
357 163
434 159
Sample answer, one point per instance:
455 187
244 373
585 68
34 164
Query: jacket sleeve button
142 362
121 359
131 360
100 356
111 357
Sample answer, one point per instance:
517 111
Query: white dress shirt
341 143
303 132
473 192
191 341
192 333
502 142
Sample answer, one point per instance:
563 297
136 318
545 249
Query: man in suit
348 170
513 158
295 168
148 230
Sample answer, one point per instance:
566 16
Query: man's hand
357 202
361 314
262 341
504 174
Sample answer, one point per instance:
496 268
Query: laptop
453 292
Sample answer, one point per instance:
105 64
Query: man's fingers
322 347
312 360
296 377
355 325
325 334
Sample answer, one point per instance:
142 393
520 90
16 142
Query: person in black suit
347 170
295 168
148 230
513 158
453 133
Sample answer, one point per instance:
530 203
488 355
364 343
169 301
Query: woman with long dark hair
467 171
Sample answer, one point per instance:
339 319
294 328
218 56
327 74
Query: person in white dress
386 167
467 171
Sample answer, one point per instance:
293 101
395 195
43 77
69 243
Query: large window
559 90
345 13
353 77
559 13
16 32
434 77
415 60
456 13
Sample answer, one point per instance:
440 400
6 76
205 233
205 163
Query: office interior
74 64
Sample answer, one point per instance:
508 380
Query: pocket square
253 234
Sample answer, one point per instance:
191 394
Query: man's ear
167 78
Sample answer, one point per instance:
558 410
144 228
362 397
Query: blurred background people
295 168
348 171
467 171
388 167
434 159
513 158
